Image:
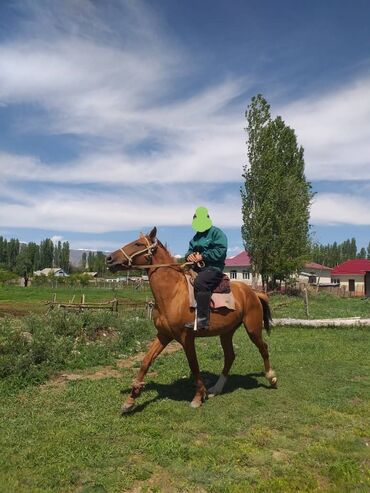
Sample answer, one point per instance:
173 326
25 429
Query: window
233 274
351 285
246 274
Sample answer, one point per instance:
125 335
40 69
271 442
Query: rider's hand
195 257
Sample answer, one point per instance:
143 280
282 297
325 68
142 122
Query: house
313 273
239 268
353 276
55 271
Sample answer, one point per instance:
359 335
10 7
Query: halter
150 248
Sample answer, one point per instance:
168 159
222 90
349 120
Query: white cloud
335 208
56 238
117 82
102 212
334 129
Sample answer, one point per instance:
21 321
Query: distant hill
75 256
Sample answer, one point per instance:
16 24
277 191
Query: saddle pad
218 300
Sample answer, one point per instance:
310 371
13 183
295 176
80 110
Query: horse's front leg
155 349
201 392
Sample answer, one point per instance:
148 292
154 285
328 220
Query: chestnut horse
171 313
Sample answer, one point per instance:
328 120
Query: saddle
222 296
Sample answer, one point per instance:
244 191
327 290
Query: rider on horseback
207 250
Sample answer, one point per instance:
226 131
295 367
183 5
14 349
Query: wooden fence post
305 299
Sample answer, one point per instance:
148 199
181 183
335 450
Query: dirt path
107 371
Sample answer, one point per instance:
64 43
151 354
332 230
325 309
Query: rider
207 250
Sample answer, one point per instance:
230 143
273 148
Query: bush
34 347
6 275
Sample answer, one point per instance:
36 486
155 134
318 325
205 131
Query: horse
172 311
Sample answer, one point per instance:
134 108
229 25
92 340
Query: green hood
201 220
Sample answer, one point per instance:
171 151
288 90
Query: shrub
35 346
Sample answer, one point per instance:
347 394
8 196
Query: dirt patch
9 309
138 357
107 371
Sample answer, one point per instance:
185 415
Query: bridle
149 250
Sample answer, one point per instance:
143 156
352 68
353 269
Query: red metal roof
314 265
357 266
240 260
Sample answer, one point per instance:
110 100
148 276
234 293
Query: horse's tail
267 318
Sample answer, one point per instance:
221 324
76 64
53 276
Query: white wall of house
322 276
346 282
237 273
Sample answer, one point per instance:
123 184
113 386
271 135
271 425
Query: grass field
322 305
311 434
20 301
17 300
67 435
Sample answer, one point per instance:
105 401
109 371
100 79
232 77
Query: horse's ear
153 233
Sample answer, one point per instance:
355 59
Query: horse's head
138 252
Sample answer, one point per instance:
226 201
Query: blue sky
116 116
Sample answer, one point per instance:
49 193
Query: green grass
20 301
34 347
321 305
311 434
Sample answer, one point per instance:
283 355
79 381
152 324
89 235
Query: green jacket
212 244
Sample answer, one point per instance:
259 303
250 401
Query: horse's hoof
212 392
127 408
273 382
195 403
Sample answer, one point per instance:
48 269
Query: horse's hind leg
229 356
253 324
156 347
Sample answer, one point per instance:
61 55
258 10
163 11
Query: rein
155 266
149 250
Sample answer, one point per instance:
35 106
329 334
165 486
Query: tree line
336 253
27 257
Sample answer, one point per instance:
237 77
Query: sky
118 116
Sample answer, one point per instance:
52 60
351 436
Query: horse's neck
164 281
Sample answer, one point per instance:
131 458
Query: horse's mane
174 259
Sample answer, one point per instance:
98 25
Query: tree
84 261
46 253
275 197
34 255
3 251
57 254
23 262
361 253
12 253
64 256
368 251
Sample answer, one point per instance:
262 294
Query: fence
143 308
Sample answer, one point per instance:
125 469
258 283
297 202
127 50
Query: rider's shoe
202 324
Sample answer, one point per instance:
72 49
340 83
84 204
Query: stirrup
198 324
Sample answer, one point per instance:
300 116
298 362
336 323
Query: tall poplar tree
46 253
64 256
275 197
